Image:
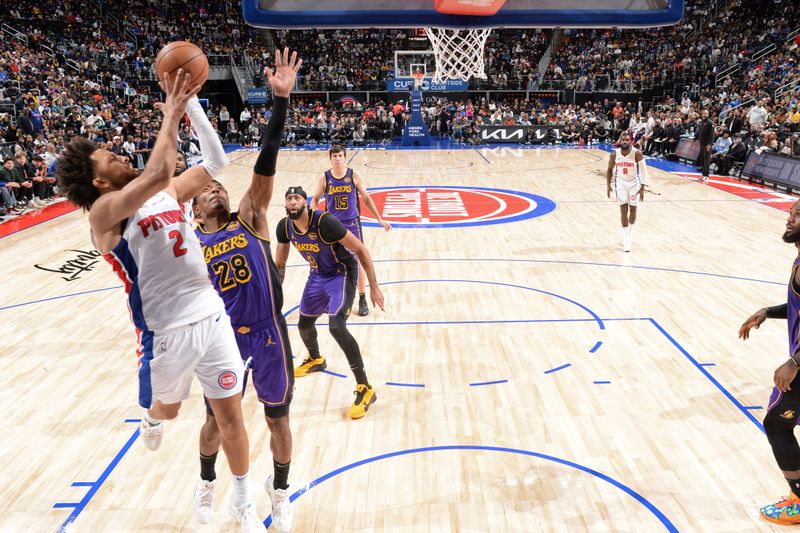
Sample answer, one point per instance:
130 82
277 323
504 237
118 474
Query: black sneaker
363 309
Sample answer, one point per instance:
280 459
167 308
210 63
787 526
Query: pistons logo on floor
227 380
453 207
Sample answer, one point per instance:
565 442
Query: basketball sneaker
281 507
310 365
363 308
247 517
786 512
151 435
626 245
365 396
203 504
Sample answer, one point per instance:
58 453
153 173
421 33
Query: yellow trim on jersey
320 233
250 230
202 230
310 220
791 281
346 172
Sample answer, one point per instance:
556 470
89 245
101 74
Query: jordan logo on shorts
270 342
788 414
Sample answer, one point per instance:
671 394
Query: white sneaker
38 202
203 504
282 515
151 435
247 517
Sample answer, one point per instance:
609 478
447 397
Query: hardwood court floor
542 379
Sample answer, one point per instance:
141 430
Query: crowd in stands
71 72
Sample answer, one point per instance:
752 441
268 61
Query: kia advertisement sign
503 134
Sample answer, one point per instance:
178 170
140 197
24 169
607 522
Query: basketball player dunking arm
342 187
237 252
326 244
180 319
784 405
628 171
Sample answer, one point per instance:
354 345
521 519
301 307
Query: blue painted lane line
601 382
556 369
133 420
596 347
483 156
753 407
83 483
65 505
708 364
333 373
398 384
80 506
482 383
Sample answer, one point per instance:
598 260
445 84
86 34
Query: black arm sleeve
777 311
331 229
271 140
280 232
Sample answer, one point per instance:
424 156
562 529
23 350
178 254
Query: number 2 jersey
158 259
241 268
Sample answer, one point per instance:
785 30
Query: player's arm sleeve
331 229
280 232
214 158
271 141
777 311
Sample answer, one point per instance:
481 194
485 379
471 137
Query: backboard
297 14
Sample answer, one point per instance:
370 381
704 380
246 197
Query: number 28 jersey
241 268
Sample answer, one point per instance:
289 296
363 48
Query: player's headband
296 190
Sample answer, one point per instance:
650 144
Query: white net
459 53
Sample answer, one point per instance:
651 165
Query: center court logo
453 207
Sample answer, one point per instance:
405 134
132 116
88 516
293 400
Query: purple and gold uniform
241 268
333 269
342 201
793 318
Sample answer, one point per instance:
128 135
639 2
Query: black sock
362 297
207 472
281 479
794 486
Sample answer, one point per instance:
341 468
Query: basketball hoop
459 53
419 79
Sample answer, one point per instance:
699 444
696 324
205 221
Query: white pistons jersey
625 167
159 260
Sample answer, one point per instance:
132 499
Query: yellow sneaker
365 396
310 365
786 512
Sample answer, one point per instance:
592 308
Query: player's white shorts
627 192
170 358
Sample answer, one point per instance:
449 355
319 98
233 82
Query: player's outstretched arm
358 180
319 188
610 172
253 207
281 256
758 318
111 208
190 183
352 243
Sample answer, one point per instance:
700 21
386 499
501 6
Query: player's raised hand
754 321
179 90
286 69
385 225
376 296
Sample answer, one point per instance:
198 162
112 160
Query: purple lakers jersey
325 257
793 311
241 268
341 196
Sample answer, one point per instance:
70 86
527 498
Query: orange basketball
180 54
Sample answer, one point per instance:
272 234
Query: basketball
185 55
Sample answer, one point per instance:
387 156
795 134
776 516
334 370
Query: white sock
625 233
630 230
241 490
150 420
